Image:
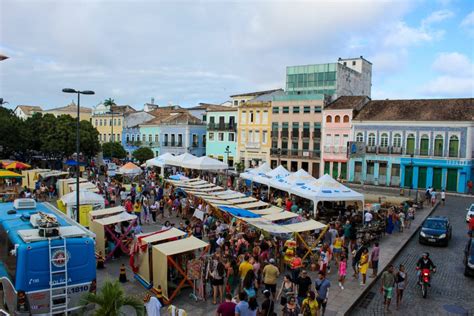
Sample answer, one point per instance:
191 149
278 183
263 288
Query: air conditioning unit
24 204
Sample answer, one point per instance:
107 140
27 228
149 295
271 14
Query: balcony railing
274 134
252 145
328 149
294 153
151 144
396 150
134 143
371 149
383 150
222 127
284 133
166 144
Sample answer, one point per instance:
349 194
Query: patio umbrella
7 174
18 165
130 169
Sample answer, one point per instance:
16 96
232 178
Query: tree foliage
113 150
45 135
143 154
110 299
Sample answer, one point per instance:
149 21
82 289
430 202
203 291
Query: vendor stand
169 256
89 201
106 212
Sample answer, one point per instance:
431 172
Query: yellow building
71 110
109 121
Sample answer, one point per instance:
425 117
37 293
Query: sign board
355 149
84 211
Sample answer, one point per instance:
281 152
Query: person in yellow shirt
337 249
270 277
279 201
309 307
244 267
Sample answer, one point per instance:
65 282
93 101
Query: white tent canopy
181 159
279 172
161 160
205 163
260 170
301 177
85 197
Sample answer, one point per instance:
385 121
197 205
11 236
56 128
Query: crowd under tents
186 161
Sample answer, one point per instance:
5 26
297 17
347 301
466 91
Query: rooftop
418 110
347 103
298 97
72 107
221 108
255 94
27 109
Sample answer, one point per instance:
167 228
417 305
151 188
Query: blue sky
186 52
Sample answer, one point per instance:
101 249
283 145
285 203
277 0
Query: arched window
127 138
410 148
397 140
328 119
359 137
424 145
453 146
438 145
371 139
384 140
337 119
100 122
346 119
96 122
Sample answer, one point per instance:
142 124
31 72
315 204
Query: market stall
106 212
113 232
89 201
204 163
174 255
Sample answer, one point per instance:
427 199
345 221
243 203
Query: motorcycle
425 281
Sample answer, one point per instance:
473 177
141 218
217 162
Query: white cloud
455 76
468 21
403 35
436 17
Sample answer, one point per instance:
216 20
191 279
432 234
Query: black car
469 258
435 230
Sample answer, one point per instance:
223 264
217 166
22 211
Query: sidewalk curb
396 190
381 269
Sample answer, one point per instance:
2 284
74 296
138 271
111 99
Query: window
345 63
250 138
195 140
243 117
359 137
212 119
220 137
157 138
337 140
96 122
274 126
211 136
264 137
438 146
115 122
100 137
275 110
133 137
243 137
346 119
127 138
166 140
251 117
203 140
236 103
453 146
353 63
257 117
150 138
337 119
397 140
119 122
345 139
371 139
286 109
305 145
265 117
100 122
410 147
110 122
143 137
328 140
317 109
328 119
296 109
424 145
384 140
231 137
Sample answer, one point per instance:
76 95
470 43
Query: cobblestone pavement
451 292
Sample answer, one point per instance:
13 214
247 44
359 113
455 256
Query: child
342 270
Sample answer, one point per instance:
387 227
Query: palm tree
109 102
110 299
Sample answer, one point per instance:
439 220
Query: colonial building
296 132
337 127
71 110
222 133
239 99
254 121
26 111
131 132
415 143
109 121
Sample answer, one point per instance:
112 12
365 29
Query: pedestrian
242 307
401 280
388 281
217 277
443 196
364 265
342 270
433 197
310 305
291 308
268 305
226 308
337 249
410 217
286 291
244 268
347 232
137 210
303 283
322 287
470 185
374 259
270 277
249 284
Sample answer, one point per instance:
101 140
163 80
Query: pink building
337 131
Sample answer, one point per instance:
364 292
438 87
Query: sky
186 52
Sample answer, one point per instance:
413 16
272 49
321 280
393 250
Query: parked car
469 258
470 211
435 230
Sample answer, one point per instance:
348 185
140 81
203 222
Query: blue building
131 140
415 144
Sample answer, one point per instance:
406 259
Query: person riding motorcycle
424 263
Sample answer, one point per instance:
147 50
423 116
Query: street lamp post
78 120
227 152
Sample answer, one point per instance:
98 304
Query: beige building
71 110
239 99
109 121
26 111
296 132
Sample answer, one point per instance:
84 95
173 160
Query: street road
451 292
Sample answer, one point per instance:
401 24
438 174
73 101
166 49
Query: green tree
12 131
110 299
142 154
113 150
109 102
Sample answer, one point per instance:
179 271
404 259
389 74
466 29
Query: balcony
328 149
396 150
179 144
284 133
274 134
252 145
383 150
295 153
231 127
371 149
295 134
134 143
306 133
151 144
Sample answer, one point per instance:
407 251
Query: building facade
352 76
296 132
222 133
26 111
71 110
415 144
337 127
109 121
131 137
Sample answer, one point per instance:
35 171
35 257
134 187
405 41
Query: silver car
470 211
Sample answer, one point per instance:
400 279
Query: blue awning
238 212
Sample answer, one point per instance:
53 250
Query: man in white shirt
152 305
368 218
443 196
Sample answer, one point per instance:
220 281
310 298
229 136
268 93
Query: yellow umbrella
18 165
7 174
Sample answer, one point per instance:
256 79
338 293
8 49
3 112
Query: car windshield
472 208
434 224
